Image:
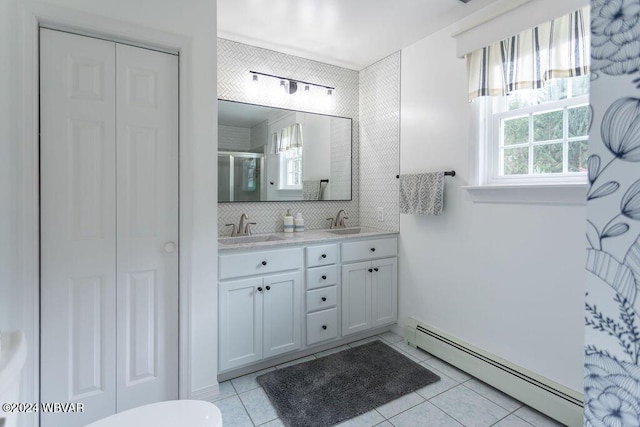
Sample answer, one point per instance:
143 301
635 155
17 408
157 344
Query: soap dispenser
298 222
288 222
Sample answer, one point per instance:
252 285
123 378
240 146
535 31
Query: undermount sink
249 239
345 231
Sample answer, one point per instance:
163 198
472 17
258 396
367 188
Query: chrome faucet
243 229
339 220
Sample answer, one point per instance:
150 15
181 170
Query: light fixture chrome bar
292 80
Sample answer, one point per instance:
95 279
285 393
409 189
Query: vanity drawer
319 299
369 249
322 325
251 263
320 277
322 255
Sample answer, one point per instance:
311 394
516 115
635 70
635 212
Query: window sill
558 194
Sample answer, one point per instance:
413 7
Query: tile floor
457 399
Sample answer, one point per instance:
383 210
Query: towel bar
447 173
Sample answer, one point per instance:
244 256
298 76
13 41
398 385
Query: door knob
324 327
324 277
375 269
169 247
268 288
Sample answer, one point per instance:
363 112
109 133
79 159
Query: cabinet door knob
323 255
324 327
370 270
268 288
324 298
375 269
324 277
373 249
264 262
259 288
169 247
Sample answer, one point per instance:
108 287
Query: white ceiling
349 33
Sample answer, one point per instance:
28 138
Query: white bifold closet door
109 226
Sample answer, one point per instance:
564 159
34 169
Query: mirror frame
295 111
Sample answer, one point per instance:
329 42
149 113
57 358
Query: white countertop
303 238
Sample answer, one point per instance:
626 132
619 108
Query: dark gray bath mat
334 388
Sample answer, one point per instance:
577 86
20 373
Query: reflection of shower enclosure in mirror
240 176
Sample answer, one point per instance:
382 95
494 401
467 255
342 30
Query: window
539 135
531 103
290 163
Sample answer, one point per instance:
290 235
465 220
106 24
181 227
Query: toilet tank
13 354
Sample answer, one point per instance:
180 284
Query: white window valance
555 49
287 138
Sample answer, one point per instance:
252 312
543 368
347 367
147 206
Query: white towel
422 193
311 189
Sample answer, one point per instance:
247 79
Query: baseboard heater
548 397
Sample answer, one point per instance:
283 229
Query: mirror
273 154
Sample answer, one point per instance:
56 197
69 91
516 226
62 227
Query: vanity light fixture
290 86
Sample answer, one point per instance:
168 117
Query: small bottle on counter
288 222
298 222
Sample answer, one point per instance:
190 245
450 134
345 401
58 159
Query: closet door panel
147 216
78 228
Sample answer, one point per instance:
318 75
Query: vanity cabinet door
241 315
384 291
282 316
356 297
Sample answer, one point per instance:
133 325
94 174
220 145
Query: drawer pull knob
324 299
373 249
324 327
323 255
259 288
264 262
268 288
324 277
375 269
370 270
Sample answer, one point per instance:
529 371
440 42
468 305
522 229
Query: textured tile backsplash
380 142
234 62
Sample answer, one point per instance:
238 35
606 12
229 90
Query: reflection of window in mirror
290 166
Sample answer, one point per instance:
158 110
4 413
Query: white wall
379 142
507 278
233 138
9 297
195 22
316 162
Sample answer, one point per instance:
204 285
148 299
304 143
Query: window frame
489 114
284 157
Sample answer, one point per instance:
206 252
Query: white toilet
13 354
187 413
172 413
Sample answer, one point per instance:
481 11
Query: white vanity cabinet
289 299
259 315
370 286
322 293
